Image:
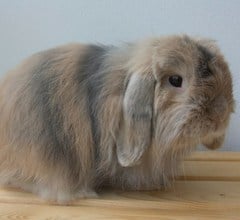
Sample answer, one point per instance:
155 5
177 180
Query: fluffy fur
78 117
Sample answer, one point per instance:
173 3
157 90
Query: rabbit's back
46 106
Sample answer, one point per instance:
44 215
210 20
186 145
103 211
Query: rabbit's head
179 95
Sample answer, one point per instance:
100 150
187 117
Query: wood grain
214 156
210 170
210 190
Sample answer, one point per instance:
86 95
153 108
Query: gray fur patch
92 73
206 56
58 146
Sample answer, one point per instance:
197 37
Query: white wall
27 26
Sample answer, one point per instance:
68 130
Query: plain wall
29 26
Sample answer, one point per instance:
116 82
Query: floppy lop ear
135 131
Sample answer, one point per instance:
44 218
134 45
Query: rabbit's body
78 117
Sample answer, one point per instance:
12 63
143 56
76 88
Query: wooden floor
209 190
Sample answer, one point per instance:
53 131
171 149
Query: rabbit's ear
136 128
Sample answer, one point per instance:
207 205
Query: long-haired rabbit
78 117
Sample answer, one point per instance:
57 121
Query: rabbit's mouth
213 142
207 116
209 131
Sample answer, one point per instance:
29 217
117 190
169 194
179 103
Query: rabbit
79 117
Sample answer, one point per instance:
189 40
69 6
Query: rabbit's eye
175 80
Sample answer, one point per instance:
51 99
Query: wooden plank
184 191
210 170
185 201
214 156
36 212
